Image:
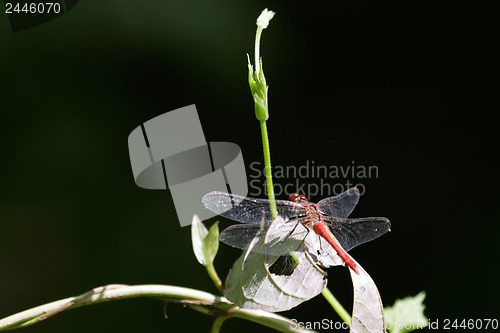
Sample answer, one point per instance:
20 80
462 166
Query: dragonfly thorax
313 213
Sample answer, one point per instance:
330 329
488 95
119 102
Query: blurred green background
409 87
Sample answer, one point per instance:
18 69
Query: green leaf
205 243
260 281
367 312
211 244
407 314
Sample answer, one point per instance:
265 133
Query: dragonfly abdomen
322 231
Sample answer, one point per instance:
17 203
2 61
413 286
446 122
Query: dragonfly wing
249 210
240 235
353 232
341 205
277 238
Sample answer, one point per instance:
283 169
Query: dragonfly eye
298 197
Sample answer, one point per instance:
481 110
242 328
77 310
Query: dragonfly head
298 197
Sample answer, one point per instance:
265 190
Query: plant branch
268 169
268 319
196 299
257 48
343 314
218 324
215 277
105 294
258 87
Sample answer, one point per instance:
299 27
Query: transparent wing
249 210
239 235
341 205
353 232
278 238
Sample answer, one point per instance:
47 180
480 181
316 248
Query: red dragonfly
327 218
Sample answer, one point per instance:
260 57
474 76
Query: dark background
412 88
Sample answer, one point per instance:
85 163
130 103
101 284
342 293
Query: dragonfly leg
293 230
304 239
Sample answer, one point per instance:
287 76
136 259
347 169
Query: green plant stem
198 300
269 319
343 314
258 86
218 324
268 170
215 277
257 48
105 294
